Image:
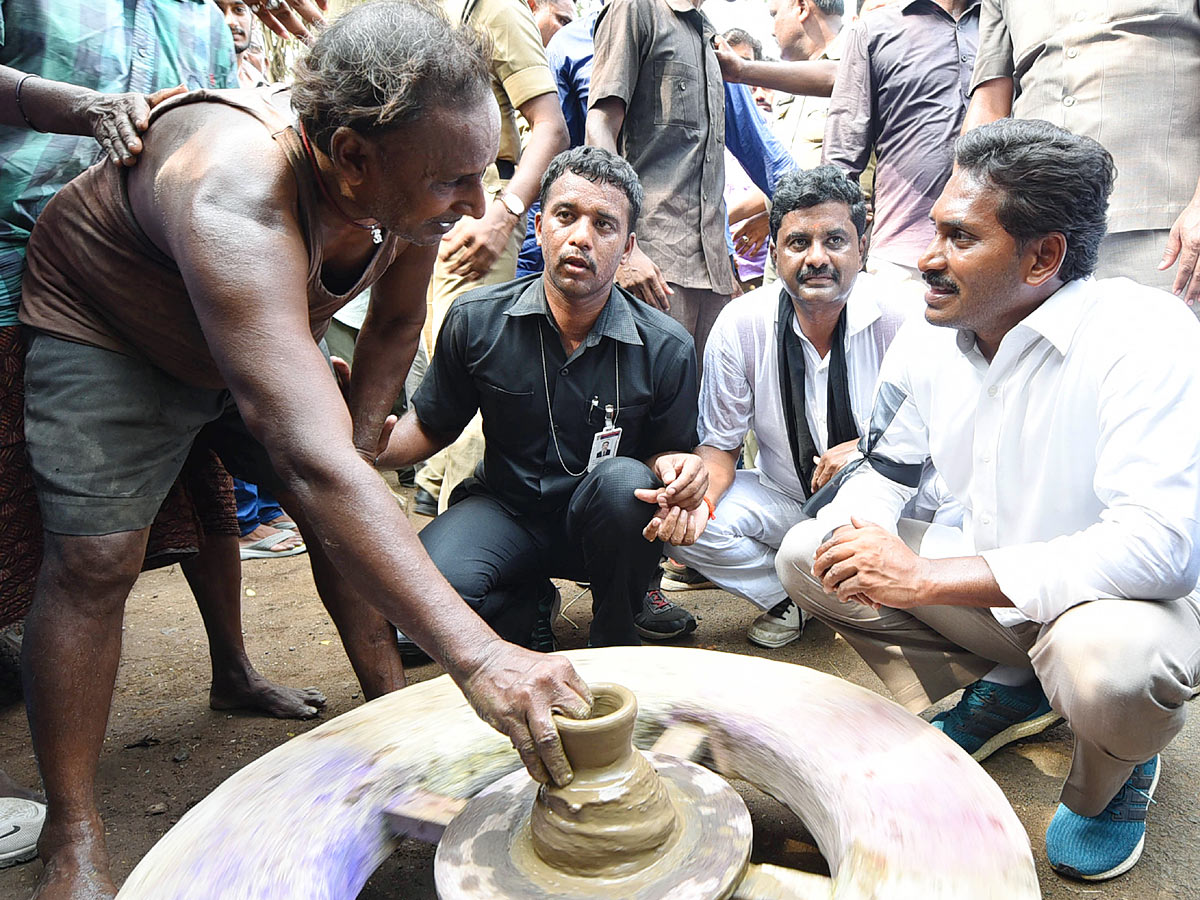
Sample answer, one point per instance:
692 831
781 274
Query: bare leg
368 638
70 653
215 577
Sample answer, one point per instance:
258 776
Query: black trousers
500 562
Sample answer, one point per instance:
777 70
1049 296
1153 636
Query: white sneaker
20 826
777 627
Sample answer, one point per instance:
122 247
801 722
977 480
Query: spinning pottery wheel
896 808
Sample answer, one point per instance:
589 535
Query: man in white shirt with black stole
797 362
1061 412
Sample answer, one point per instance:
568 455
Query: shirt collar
615 320
911 3
1057 319
1061 314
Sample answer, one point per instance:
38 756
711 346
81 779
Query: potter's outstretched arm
234 235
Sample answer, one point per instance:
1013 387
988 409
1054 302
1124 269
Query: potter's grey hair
383 64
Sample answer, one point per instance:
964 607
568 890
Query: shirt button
993 391
1068 101
143 52
1072 53
985 520
564 372
985 458
1080 16
963 58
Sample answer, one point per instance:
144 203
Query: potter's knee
93 570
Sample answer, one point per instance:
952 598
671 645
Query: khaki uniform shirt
800 120
657 56
1125 72
519 68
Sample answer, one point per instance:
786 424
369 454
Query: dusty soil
166 750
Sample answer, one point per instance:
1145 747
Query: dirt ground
166 750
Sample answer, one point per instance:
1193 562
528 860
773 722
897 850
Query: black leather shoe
424 503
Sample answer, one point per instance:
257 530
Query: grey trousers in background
696 309
1119 671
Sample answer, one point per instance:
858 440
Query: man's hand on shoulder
516 691
642 278
118 121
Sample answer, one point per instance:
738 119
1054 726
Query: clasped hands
863 563
681 512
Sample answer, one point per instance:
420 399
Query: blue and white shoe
1097 848
990 715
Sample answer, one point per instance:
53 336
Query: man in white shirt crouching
1061 412
796 362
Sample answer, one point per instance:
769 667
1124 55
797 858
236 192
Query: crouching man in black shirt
586 395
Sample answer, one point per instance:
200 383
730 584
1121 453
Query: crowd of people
895 332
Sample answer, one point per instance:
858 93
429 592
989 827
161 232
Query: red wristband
712 510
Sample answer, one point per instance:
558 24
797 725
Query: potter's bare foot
9 788
251 691
76 868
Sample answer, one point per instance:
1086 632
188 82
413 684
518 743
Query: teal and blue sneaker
1097 848
990 715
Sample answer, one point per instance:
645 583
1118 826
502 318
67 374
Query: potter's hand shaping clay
515 691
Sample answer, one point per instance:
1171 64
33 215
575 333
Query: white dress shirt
1075 453
740 387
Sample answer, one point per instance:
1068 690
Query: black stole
791 388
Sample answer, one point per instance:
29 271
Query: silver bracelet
20 108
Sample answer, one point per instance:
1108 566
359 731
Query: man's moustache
940 281
806 274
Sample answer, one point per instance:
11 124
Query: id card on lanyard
605 442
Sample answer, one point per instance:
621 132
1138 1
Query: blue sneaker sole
1016 732
1126 864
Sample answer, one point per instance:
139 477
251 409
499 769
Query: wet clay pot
616 812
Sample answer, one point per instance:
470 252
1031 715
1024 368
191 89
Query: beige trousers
1119 671
444 470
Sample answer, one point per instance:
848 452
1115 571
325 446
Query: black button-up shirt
499 352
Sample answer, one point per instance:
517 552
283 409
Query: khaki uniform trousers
445 469
1119 671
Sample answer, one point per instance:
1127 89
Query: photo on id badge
604 446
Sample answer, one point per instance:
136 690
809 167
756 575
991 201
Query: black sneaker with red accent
661 620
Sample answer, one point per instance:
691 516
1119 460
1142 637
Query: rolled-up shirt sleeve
621 36
1147 476
994 58
448 397
726 394
850 128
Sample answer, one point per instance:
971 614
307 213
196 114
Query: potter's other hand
515 691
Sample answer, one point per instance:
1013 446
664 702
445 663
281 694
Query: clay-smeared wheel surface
897 809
